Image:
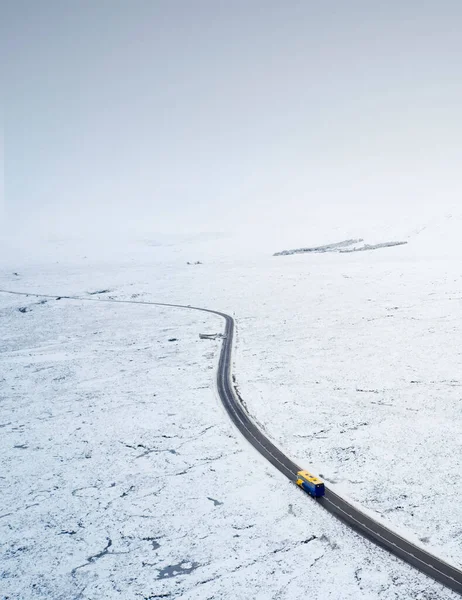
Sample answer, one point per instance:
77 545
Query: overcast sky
210 114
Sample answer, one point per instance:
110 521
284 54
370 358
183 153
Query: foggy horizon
220 116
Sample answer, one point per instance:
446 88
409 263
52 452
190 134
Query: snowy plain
122 476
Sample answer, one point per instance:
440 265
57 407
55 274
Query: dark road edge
427 563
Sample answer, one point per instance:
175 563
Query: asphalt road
419 558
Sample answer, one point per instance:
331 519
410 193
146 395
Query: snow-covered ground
122 476
366 387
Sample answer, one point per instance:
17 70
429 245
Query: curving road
427 563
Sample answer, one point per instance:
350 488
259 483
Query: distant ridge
340 247
327 248
373 246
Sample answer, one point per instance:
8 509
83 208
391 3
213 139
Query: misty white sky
177 115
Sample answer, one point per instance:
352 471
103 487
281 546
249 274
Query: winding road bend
424 561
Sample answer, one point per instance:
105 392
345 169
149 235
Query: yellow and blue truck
311 484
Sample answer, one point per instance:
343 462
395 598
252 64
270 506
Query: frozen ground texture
122 476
